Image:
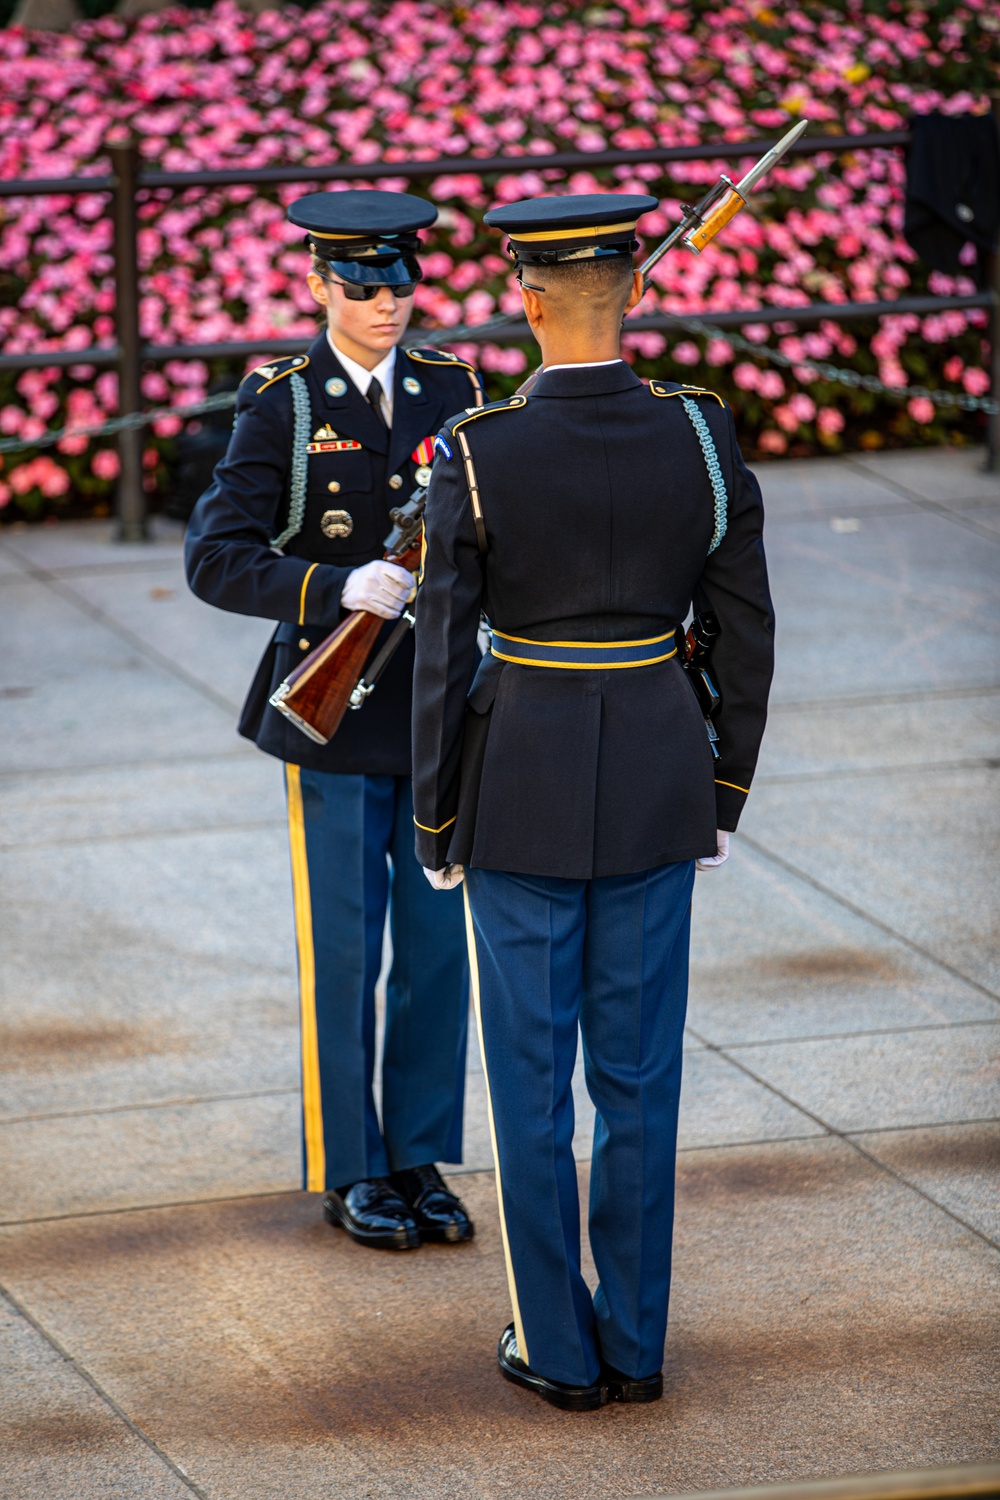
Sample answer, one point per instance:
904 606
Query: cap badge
411 386
324 434
336 523
335 386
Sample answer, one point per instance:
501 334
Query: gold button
303 644
334 486
395 481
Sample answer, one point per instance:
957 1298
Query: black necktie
375 401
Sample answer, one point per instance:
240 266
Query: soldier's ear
635 295
317 286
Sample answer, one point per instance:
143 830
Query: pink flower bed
361 81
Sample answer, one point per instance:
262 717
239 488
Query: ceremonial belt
584 656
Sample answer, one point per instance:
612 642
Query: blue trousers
352 861
612 955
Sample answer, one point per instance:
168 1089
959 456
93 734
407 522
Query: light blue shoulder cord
300 461
714 470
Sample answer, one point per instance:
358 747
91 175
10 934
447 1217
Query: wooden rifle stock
317 693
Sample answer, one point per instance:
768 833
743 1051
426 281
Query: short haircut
607 275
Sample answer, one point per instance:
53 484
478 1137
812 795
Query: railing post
993 427
131 495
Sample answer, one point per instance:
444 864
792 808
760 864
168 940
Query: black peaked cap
362 214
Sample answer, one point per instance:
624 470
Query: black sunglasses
365 292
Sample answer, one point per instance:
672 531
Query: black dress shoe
624 1388
439 1214
568 1397
373 1213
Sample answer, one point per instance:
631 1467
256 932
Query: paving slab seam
239 752
833 1036
854 773
105 1396
141 647
879 509
928 1125
131 834
877 700
146 1104
147 1208
866 916
933 507
847 1139
112 569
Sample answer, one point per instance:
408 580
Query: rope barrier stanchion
131 525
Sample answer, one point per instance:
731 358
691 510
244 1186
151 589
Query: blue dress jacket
598 515
357 471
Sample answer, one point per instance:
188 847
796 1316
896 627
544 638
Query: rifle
318 692
702 634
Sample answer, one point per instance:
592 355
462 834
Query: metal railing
129 353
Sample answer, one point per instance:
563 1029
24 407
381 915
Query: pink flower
772 442
770 385
105 464
686 353
920 409
829 420
786 418
976 382
803 406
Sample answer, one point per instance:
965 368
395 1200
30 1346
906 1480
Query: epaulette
277 370
512 403
444 358
669 388
431 356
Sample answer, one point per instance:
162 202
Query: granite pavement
176 1318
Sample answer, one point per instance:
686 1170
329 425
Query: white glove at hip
380 587
446 879
721 854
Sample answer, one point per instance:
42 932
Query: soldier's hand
446 879
721 855
380 587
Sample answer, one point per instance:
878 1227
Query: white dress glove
446 879
721 855
380 587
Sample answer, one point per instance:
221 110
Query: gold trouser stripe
312 1099
302 596
470 933
735 788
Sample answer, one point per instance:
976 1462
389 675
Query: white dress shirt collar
383 373
584 364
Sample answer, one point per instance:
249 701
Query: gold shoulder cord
470 468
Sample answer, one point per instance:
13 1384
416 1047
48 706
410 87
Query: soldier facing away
569 778
291 529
